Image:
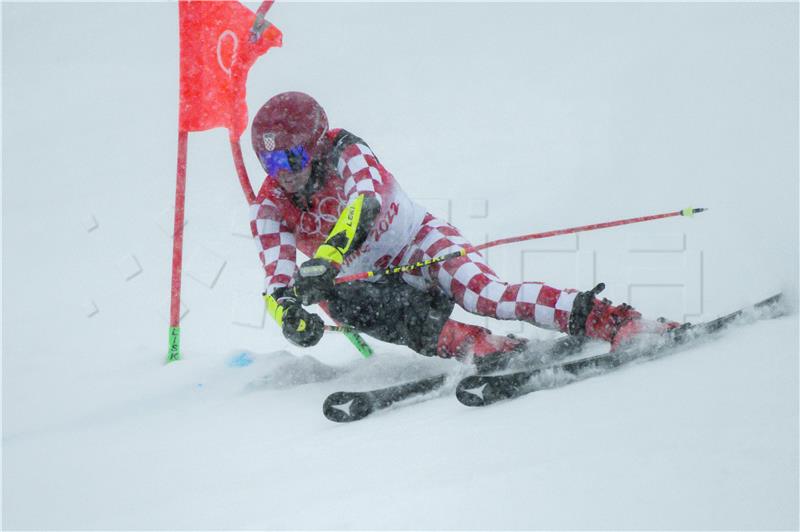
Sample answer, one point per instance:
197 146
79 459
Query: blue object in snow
239 361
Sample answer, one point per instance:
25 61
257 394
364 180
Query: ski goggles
293 160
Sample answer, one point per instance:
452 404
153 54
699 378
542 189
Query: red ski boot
488 351
619 325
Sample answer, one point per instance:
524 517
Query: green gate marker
174 351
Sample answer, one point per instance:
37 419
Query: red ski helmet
287 131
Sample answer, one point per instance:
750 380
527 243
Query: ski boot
619 325
489 352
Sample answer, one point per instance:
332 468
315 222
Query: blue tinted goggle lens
293 159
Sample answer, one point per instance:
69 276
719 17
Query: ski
344 407
482 390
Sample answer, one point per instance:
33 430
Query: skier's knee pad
394 312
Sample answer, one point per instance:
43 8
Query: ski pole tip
689 211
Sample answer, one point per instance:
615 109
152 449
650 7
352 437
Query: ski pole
401 269
349 332
533 236
355 338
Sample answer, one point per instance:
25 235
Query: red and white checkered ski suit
403 232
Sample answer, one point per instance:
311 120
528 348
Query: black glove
314 281
300 326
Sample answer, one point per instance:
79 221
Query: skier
328 195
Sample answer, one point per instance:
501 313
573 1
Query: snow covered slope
705 439
506 118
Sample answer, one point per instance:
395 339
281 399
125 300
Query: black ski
344 407
482 390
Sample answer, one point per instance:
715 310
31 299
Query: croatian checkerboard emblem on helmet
269 141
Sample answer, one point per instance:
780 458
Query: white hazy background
509 119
